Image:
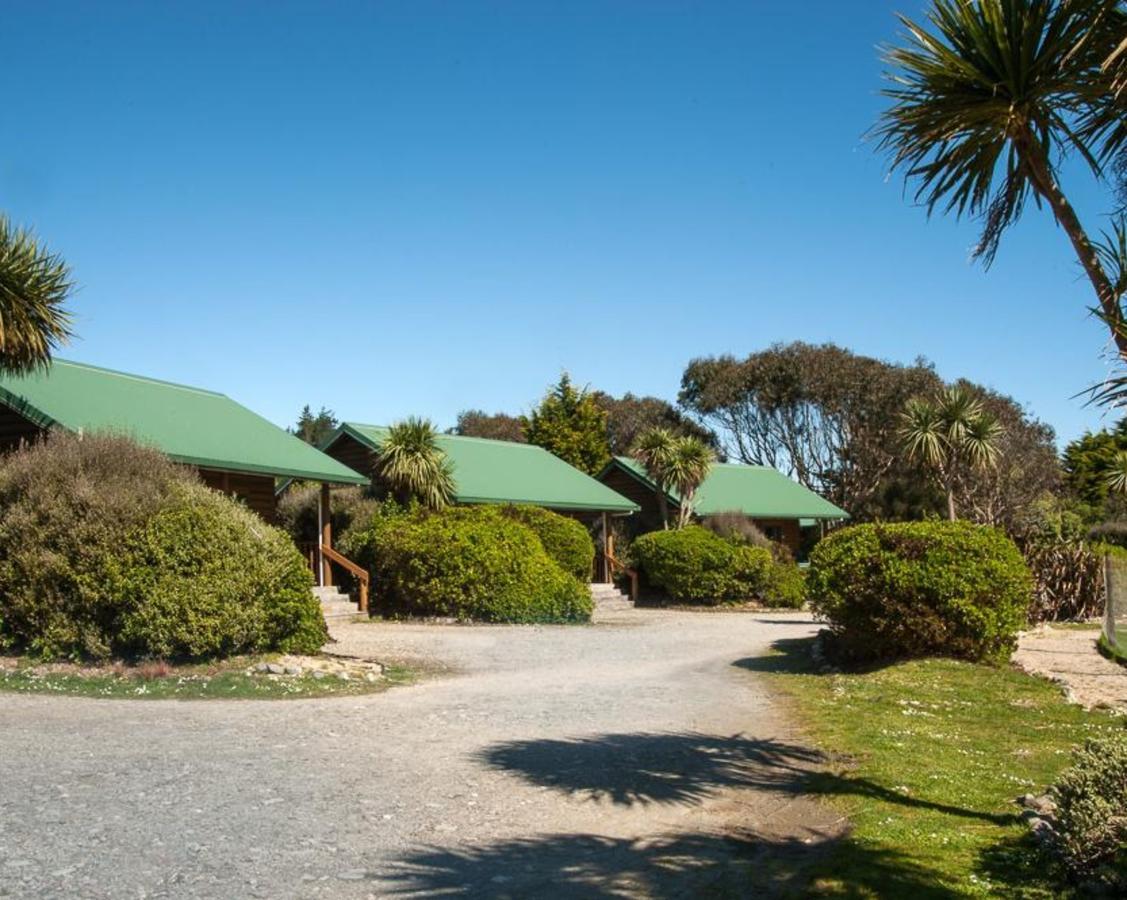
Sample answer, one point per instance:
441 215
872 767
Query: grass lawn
927 759
227 680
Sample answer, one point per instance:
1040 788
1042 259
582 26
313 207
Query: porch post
606 549
325 538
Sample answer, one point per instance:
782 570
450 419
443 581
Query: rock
294 670
1042 830
344 676
318 674
275 669
371 676
262 667
1039 804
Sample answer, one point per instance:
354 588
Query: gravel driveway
636 757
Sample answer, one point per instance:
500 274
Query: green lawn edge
191 683
926 759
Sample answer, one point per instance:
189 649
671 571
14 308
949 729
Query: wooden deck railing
616 564
315 553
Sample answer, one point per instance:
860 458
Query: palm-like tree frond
413 466
923 432
34 286
654 449
980 441
1116 475
688 467
987 83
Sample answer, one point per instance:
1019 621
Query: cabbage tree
413 467
948 434
34 287
989 96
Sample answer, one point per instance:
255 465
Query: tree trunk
1043 182
951 517
663 507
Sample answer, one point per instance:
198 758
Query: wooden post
606 548
326 536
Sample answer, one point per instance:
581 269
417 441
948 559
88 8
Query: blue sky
414 208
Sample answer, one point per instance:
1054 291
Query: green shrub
298 515
784 586
207 578
920 588
565 539
694 565
1090 828
469 563
108 549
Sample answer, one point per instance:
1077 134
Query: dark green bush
695 565
1090 827
297 510
565 539
469 563
784 586
108 549
919 589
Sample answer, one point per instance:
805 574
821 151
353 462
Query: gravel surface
1070 656
636 757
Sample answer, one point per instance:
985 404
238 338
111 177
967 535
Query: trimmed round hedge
566 540
109 550
468 563
920 589
695 565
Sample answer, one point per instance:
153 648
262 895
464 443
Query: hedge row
696 565
468 563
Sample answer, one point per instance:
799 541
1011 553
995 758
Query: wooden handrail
616 563
358 572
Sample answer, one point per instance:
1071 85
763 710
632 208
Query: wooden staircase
608 598
336 606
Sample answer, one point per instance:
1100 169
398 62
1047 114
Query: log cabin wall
16 430
648 518
256 491
352 453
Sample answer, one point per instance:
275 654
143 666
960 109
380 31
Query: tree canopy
495 426
630 416
569 423
315 428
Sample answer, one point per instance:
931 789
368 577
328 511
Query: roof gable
490 471
190 425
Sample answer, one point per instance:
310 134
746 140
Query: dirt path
612 760
1070 656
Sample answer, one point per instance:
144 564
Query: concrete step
326 594
335 605
340 607
609 597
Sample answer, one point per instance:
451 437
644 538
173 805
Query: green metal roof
488 471
190 425
757 491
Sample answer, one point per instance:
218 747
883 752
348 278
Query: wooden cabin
234 450
780 507
500 472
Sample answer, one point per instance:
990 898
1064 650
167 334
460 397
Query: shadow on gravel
688 767
685 865
628 769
